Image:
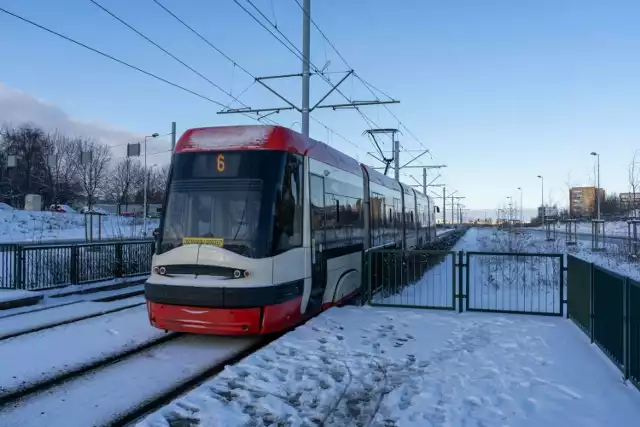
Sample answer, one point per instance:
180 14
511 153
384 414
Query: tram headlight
246 274
236 274
156 269
163 271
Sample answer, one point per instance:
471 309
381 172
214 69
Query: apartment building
583 202
630 200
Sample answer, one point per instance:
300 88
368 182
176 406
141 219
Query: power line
366 84
298 54
114 16
231 60
113 58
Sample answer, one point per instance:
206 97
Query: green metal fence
606 306
41 267
488 281
418 279
633 335
507 282
608 313
579 293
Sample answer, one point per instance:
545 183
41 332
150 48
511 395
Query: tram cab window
288 210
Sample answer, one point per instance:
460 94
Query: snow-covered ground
63 313
615 257
33 226
100 397
44 355
70 294
611 228
405 367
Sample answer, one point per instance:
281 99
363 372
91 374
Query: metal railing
606 306
420 278
41 267
507 282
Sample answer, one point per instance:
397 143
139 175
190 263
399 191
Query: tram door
318 261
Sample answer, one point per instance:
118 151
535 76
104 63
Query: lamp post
593 153
146 181
542 212
521 208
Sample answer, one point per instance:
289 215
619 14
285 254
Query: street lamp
542 213
521 208
593 153
146 180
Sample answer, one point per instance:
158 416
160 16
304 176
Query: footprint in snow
113 332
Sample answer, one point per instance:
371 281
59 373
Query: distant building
583 202
629 200
549 211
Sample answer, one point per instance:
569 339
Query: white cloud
17 107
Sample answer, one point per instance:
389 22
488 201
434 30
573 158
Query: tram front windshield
239 200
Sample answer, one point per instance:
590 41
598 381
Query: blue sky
499 90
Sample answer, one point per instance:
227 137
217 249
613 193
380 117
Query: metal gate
500 282
505 282
414 279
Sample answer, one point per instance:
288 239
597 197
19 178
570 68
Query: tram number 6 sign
220 163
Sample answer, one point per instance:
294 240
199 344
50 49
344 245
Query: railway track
122 389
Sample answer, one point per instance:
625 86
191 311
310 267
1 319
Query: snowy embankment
17 226
381 367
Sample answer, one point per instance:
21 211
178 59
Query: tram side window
316 185
289 208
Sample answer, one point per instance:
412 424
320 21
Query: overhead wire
297 53
231 60
365 83
132 28
113 58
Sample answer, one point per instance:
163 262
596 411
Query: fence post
75 270
591 304
460 279
468 280
118 267
562 270
626 331
18 268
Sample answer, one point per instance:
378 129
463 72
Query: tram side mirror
436 209
156 233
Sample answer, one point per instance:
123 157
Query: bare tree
127 178
29 145
157 183
93 168
634 178
569 187
61 168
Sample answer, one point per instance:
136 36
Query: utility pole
306 52
173 136
306 74
453 208
593 153
396 157
444 206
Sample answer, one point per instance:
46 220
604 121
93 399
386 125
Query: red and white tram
263 228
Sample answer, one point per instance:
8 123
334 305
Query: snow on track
39 319
100 397
382 367
45 355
